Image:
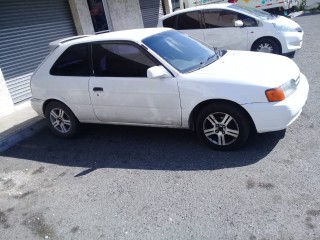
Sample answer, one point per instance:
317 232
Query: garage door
26 28
151 11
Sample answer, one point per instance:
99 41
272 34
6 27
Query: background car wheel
267 46
223 126
61 121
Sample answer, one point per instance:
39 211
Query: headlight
282 92
283 28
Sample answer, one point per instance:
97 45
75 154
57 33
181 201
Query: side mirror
238 23
158 72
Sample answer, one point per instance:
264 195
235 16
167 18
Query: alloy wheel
220 129
60 120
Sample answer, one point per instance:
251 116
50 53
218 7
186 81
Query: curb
21 134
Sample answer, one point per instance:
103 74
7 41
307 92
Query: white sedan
163 78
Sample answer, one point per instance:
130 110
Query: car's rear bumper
275 116
37 105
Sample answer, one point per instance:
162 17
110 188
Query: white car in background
160 77
236 27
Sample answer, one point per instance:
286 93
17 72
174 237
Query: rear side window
73 62
170 22
189 20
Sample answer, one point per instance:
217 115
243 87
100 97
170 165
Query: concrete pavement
20 124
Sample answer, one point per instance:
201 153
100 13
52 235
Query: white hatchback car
236 27
160 77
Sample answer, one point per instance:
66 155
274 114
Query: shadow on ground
103 146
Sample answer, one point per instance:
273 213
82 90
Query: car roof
202 7
135 35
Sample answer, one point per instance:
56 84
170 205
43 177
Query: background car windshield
179 50
253 11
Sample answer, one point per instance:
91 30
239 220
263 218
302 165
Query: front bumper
292 41
274 116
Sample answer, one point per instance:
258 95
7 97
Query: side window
189 20
219 18
73 62
119 60
211 18
247 21
170 22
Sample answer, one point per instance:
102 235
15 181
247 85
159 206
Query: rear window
73 62
189 20
170 22
184 21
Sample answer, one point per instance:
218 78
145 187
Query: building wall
81 16
121 15
5 98
125 14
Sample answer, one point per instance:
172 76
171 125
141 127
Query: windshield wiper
204 63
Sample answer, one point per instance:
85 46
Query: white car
236 27
160 77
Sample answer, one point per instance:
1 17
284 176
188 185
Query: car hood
250 68
280 20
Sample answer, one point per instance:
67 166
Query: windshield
253 11
181 51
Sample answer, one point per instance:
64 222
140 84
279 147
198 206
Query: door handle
98 89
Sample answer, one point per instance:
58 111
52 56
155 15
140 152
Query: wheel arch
267 37
196 110
48 101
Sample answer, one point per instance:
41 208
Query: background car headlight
282 92
284 28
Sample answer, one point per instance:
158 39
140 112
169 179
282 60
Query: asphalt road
146 183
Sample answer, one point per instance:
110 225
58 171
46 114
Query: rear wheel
266 45
223 126
61 120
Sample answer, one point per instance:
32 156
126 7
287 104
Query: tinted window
219 18
119 60
190 20
170 22
247 21
73 62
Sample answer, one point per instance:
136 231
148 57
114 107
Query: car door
121 92
220 31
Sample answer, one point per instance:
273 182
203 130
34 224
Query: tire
61 120
223 126
266 45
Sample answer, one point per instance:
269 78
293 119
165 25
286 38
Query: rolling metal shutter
151 11
26 28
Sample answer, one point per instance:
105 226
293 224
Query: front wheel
223 126
266 46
